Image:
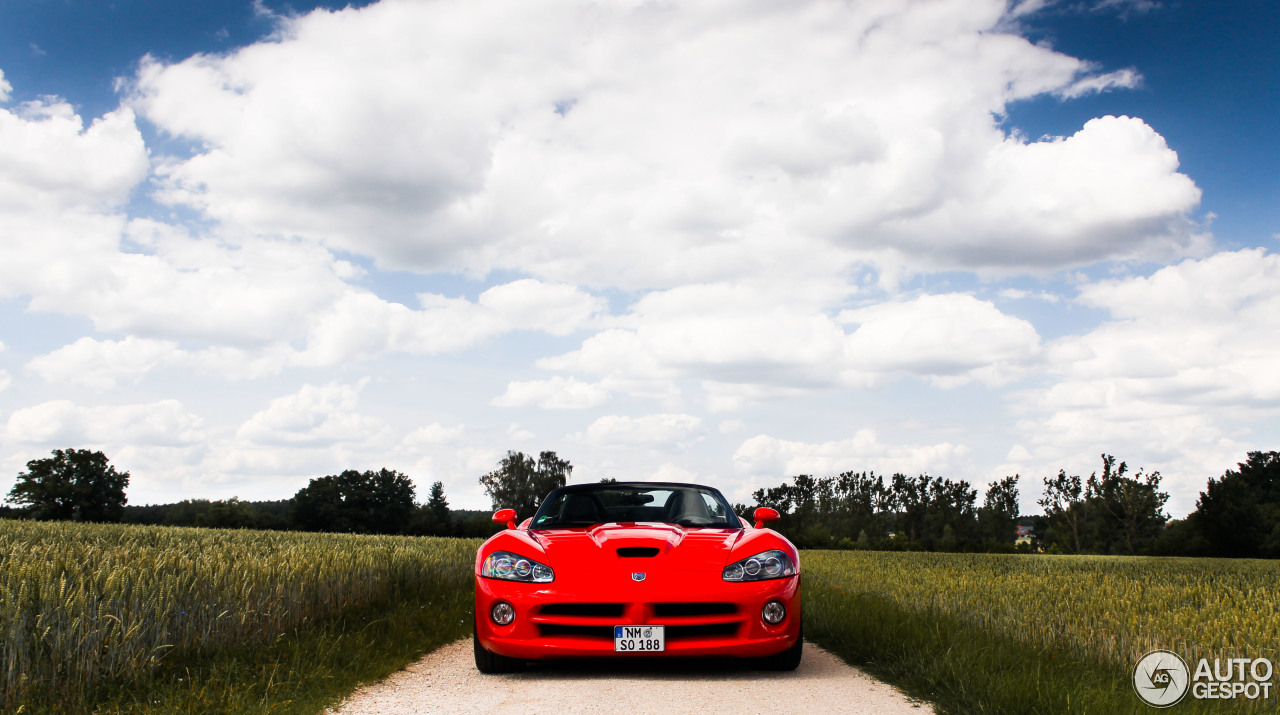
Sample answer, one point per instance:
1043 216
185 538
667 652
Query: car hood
673 547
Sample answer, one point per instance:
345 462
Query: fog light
502 613
774 612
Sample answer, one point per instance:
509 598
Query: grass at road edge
301 672
961 669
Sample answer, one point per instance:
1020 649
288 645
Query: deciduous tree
75 485
998 516
520 482
1064 511
369 502
1239 513
1126 513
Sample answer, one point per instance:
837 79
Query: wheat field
1107 608
80 603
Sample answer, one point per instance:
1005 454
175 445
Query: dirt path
446 681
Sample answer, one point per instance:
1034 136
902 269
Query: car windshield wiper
561 524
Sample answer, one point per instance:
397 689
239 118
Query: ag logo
1161 678
637 576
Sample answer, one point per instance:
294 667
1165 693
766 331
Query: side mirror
508 517
763 516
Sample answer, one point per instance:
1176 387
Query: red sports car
636 569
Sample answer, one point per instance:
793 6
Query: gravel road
446 681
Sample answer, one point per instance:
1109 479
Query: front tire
489 662
788 659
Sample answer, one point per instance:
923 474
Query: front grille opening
637 552
705 630
596 610
676 610
560 629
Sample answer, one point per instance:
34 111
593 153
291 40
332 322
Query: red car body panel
593 591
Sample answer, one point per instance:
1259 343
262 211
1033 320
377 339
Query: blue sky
1210 86
247 244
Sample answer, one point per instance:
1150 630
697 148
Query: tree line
384 501
80 485
1111 512
863 510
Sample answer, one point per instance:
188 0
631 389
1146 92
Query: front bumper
574 616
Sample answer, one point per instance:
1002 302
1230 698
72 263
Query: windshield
587 505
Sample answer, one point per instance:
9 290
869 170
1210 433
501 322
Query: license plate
638 639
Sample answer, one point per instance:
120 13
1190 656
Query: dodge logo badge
637 577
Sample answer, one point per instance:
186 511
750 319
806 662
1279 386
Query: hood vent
637 552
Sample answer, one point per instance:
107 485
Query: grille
637 552
676 610
706 630
598 610
560 629
673 633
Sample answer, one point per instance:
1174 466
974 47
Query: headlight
761 567
513 567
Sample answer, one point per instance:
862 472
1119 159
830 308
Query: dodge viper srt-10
636 569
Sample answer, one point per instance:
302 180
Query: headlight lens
761 567
514 567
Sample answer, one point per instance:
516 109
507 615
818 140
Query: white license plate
638 639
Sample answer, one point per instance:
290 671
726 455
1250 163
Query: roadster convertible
636 569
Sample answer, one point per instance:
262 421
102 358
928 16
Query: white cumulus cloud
313 416
951 339
100 363
1181 377
562 393
662 148
659 430
529 304
518 433
61 422
1202 333
431 435
746 344
50 161
755 187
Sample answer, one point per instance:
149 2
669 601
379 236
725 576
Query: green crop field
1034 633
174 620
93 614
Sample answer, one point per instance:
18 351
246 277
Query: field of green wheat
1035 633
175 620
83 604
